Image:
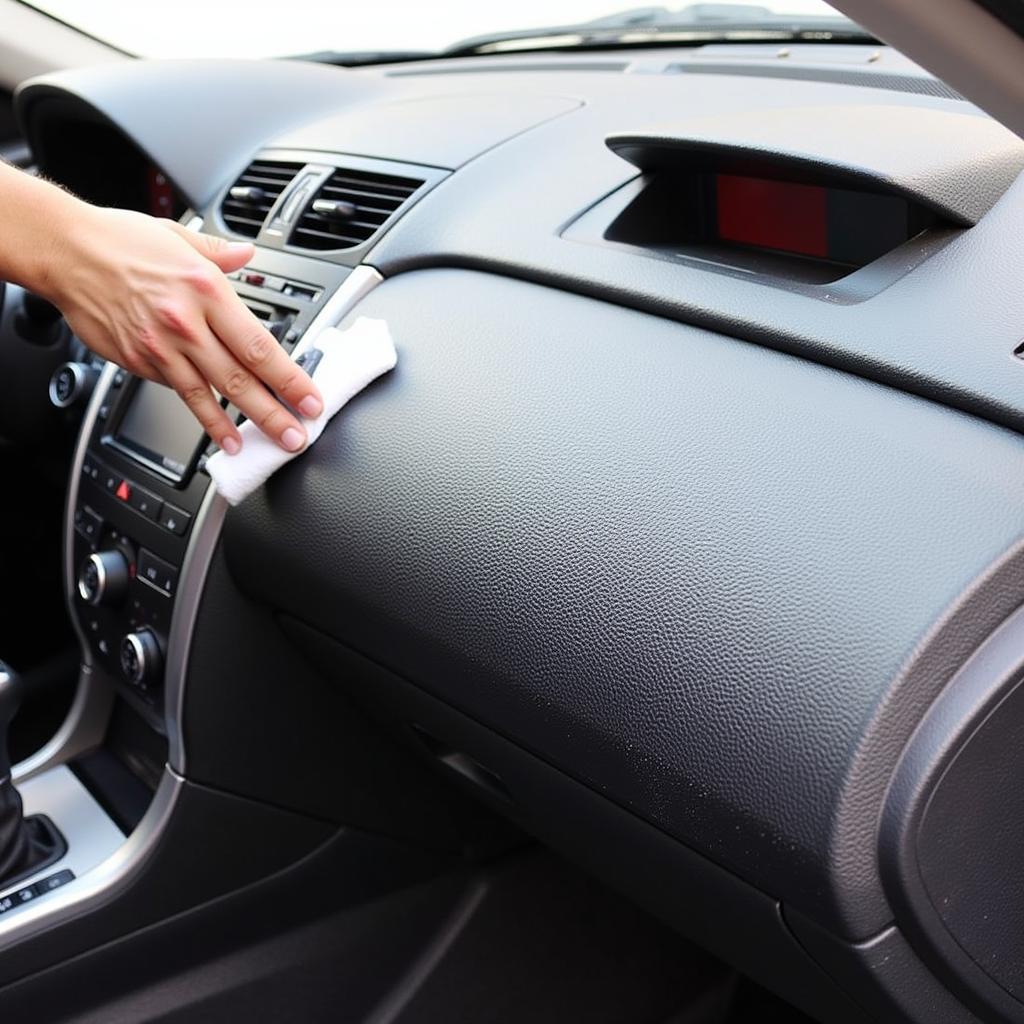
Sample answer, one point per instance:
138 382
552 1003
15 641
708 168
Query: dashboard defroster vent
350 208
249 200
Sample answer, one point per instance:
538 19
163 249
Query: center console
142 524
141 485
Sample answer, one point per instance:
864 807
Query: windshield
269 28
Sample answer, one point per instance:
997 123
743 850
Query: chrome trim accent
78 373
82 730
134 641
99 396
87 718
93 597
101 883
91 835
352 290
206 534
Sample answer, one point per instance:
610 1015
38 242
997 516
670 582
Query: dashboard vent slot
350 208
249 200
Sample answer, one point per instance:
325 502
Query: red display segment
772 214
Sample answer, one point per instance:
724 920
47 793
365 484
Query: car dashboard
687 533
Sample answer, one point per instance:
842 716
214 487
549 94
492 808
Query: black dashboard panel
518 190
708 540
684 569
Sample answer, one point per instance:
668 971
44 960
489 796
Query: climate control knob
104 578
140 657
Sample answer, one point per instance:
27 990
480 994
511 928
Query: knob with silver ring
104 578
140 657
71 383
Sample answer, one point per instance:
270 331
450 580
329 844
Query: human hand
152 296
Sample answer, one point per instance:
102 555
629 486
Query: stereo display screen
159 428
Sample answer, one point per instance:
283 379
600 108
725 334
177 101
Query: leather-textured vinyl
683 568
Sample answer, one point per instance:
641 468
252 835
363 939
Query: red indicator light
124 492
778 215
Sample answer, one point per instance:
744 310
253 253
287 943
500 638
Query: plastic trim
206 534
977 690
107 862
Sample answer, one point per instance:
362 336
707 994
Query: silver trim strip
99 396
206 534
82 730
87 718
99 885
91 836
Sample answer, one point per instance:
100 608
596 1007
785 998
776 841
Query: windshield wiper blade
658 26
358 58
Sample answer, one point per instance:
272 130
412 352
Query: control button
253 279
71 383
28 893
104 411
89 524
13 900
157 573
123 491
109 479
104 578
175 519
23 896
277 328
54 881
148 504
140 657
119 378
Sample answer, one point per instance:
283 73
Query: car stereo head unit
154 427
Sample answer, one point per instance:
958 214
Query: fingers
256 349
181 375
232 350
243 388
226 255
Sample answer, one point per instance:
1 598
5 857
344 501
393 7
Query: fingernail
293 439
239 246
310 406
231 445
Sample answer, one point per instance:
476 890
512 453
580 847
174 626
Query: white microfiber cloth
351 360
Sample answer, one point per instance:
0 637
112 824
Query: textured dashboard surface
941 322
683 568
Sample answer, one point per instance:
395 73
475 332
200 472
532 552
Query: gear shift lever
26 844
14 838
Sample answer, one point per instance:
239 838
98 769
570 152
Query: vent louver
350 208
249 200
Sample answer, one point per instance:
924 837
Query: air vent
249 200
350 208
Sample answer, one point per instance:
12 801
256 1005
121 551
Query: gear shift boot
30 844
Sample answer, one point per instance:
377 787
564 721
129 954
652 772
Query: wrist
69 241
